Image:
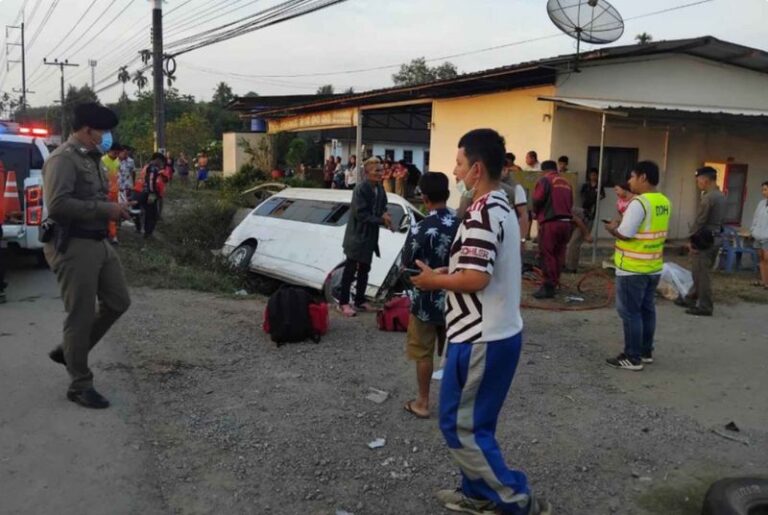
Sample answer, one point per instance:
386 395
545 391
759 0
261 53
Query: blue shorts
202 174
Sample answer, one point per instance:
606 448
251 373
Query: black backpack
288 316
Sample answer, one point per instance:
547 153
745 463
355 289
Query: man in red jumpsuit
552 207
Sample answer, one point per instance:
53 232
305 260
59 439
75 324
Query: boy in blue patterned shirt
428 241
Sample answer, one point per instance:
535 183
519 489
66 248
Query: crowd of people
465 268
399 177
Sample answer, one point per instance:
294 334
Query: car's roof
330 195
17 138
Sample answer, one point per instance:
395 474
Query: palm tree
140 80
644 38
124 76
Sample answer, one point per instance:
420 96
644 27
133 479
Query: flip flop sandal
409 408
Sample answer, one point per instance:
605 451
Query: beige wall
524 121
233 155
689 147
675 79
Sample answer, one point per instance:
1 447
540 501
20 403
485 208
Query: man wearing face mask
76 190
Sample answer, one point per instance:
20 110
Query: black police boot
57 356
547 291
89 398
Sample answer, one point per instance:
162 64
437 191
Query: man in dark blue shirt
428 241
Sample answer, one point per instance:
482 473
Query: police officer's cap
95 116
706 171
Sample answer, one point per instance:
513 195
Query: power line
34 11
472 52
47 17
267 20
134 41
61 41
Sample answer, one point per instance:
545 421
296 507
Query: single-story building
681 103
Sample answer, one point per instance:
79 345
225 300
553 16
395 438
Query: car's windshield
20 158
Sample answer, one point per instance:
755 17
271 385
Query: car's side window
269 206
397 213
305 210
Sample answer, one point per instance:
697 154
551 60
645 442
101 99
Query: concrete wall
669 79
399 148
233 155
525 122
690 146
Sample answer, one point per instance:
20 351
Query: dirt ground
236 425
209 416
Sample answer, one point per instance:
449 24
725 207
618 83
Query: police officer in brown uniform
86 266
705 242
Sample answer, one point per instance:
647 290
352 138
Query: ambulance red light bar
34 131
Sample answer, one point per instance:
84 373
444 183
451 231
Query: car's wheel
240 259
332 286
737 496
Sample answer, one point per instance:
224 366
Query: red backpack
395 314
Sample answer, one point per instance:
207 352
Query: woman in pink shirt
623 197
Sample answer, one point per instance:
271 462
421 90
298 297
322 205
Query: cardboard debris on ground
377 396
377 443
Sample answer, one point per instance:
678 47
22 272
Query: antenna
590 21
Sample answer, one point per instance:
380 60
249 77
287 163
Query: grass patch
195 223
685 498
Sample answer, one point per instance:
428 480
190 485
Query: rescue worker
707 227
86 266
639 259
152 191
553 209
111 162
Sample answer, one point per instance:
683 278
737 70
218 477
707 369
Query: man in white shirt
639 259
484 328
532 162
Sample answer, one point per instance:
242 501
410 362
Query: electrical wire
271 19
34 11
61 41
471 52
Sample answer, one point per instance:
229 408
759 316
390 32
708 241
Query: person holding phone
428 241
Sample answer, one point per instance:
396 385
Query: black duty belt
86 234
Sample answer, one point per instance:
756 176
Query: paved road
56 457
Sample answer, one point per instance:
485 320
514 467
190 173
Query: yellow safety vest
644 254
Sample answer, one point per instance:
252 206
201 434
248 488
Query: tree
124 76
81 95
349 91
189 133
223 94
419 72
140 80
297 150
644 38
326 89
251 94
7 103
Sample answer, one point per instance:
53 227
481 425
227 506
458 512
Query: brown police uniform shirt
75 186
711 212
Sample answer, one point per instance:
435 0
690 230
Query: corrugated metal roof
531 73
604 104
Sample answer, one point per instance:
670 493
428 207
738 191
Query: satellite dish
591 21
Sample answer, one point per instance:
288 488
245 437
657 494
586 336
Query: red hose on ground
603 289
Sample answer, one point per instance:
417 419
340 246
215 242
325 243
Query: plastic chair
733 250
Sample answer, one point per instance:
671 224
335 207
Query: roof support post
596 223
359 145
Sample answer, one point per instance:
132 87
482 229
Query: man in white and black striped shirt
484 334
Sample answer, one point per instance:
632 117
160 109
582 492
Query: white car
23 151
296 236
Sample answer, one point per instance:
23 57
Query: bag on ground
292 316
395 314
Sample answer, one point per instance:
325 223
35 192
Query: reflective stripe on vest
644 254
